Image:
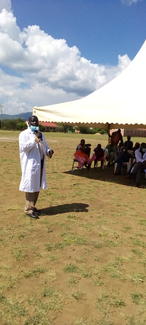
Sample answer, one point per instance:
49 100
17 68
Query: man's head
82 142
137 145
33 120
33 123
143 147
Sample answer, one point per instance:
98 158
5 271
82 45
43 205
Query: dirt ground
84 261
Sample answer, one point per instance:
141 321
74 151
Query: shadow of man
70 207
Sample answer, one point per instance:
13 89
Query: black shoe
32 215
88 166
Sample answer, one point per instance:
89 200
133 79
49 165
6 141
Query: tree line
19 124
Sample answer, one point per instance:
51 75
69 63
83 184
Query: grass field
84 261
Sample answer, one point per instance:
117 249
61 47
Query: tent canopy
119 103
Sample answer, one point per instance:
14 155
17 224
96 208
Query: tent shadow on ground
63 208
105 175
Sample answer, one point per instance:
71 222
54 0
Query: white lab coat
30 160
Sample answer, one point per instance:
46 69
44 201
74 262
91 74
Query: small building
49 126
135 132
131 132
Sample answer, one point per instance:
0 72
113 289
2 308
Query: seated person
122 157
132 159
140 164
128 144
82 153
98 155
110 153
136 146
115 142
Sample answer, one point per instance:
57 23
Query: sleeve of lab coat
26 143
46 146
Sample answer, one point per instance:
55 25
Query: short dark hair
33 118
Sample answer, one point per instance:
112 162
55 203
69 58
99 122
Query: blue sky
59 50
101 29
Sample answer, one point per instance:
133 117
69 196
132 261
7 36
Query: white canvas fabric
121 101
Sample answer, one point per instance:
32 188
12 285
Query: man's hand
50 153
37 140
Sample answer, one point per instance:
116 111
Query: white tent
120 103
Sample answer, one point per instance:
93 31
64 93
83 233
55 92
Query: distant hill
23 116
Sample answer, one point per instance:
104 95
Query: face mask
34 128
144 150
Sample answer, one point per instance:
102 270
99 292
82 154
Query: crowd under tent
121 103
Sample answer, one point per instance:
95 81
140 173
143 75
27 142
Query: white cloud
130 2
8 25
37 69
5 4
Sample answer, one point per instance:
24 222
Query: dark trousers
31 199
137 170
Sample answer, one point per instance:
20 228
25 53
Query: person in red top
98 155
116 138
82 154
116 141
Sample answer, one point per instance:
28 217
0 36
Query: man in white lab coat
33 149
